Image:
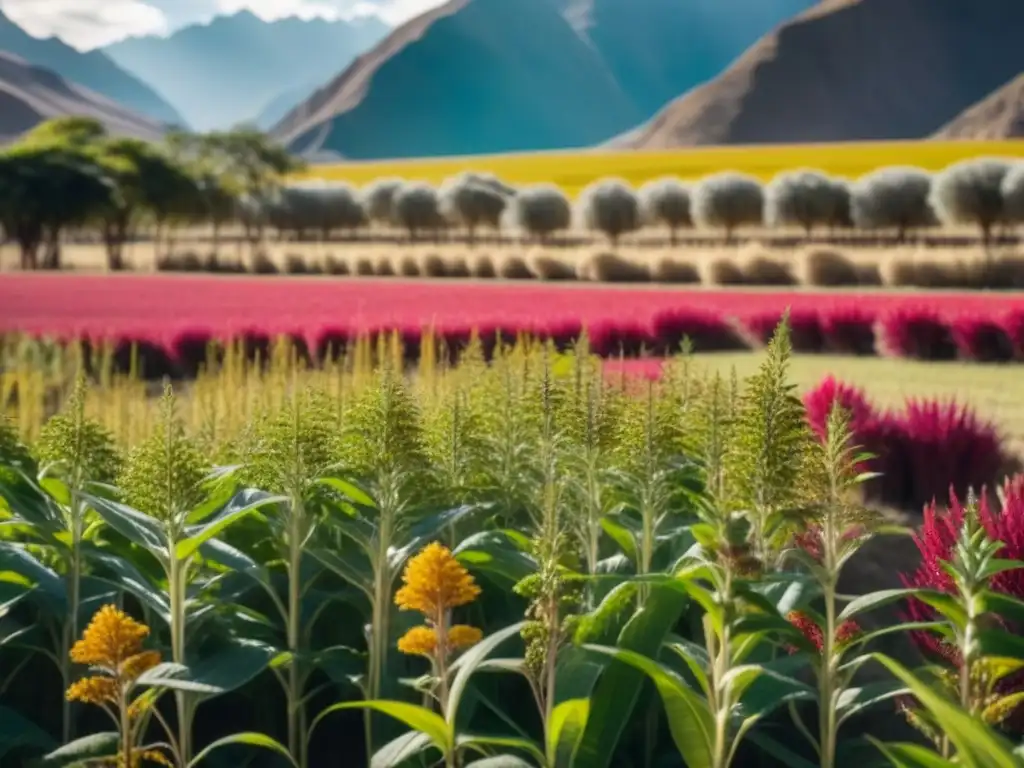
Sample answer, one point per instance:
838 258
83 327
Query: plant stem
177 573
722 656
826 682
74 587
296 736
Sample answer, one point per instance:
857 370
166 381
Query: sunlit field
574 170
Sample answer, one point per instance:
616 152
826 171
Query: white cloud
86 23
92 23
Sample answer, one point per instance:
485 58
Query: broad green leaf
91 747
493 552
1000 643
356 571
350 491
224 671
248 739
977 745
132 580
415 717
17 731
696 659
912 756
1007 606
501 761
565 730
873 600
476 742
855 700
690 721
947 605
621 535
400 749
775 686
16 560
28 501
426 530
781 752
133 525
615 695
243 504
995 566
466 664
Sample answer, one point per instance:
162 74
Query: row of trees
983 192
69 174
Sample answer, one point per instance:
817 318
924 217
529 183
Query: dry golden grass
753 264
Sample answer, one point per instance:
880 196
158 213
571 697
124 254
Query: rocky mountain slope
94 70
30 94
229 70
850 70
477 76
999 115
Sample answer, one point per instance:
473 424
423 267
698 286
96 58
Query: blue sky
91 23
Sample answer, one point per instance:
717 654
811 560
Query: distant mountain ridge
30 94
94 70
850 70
229 70
478 76
1000 115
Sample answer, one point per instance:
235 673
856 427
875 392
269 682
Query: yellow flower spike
93 690
463 636
111 638
134 666
435 582
418 641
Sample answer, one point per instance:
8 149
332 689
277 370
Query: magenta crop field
155 306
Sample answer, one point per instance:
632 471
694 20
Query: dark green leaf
618 689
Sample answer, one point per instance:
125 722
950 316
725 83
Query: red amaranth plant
805 331
848 331
818 403
948 445
707 331
920 334
982 339
937 540
1013 324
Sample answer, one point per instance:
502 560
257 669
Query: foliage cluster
68 175
560 539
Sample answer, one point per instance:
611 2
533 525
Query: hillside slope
852 70
30 94
94 70
229 70
477 76
1000 115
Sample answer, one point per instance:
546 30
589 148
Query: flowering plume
936 540
846 632
434 583
112 644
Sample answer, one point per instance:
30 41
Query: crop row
751 265
983 193
913 332
529 520
69 177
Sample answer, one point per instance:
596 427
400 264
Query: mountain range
852 70
30 94
231 69
92 69
477 76
482 76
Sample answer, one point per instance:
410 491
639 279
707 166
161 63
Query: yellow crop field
574 170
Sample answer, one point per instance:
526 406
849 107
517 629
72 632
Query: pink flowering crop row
172 319
923 451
